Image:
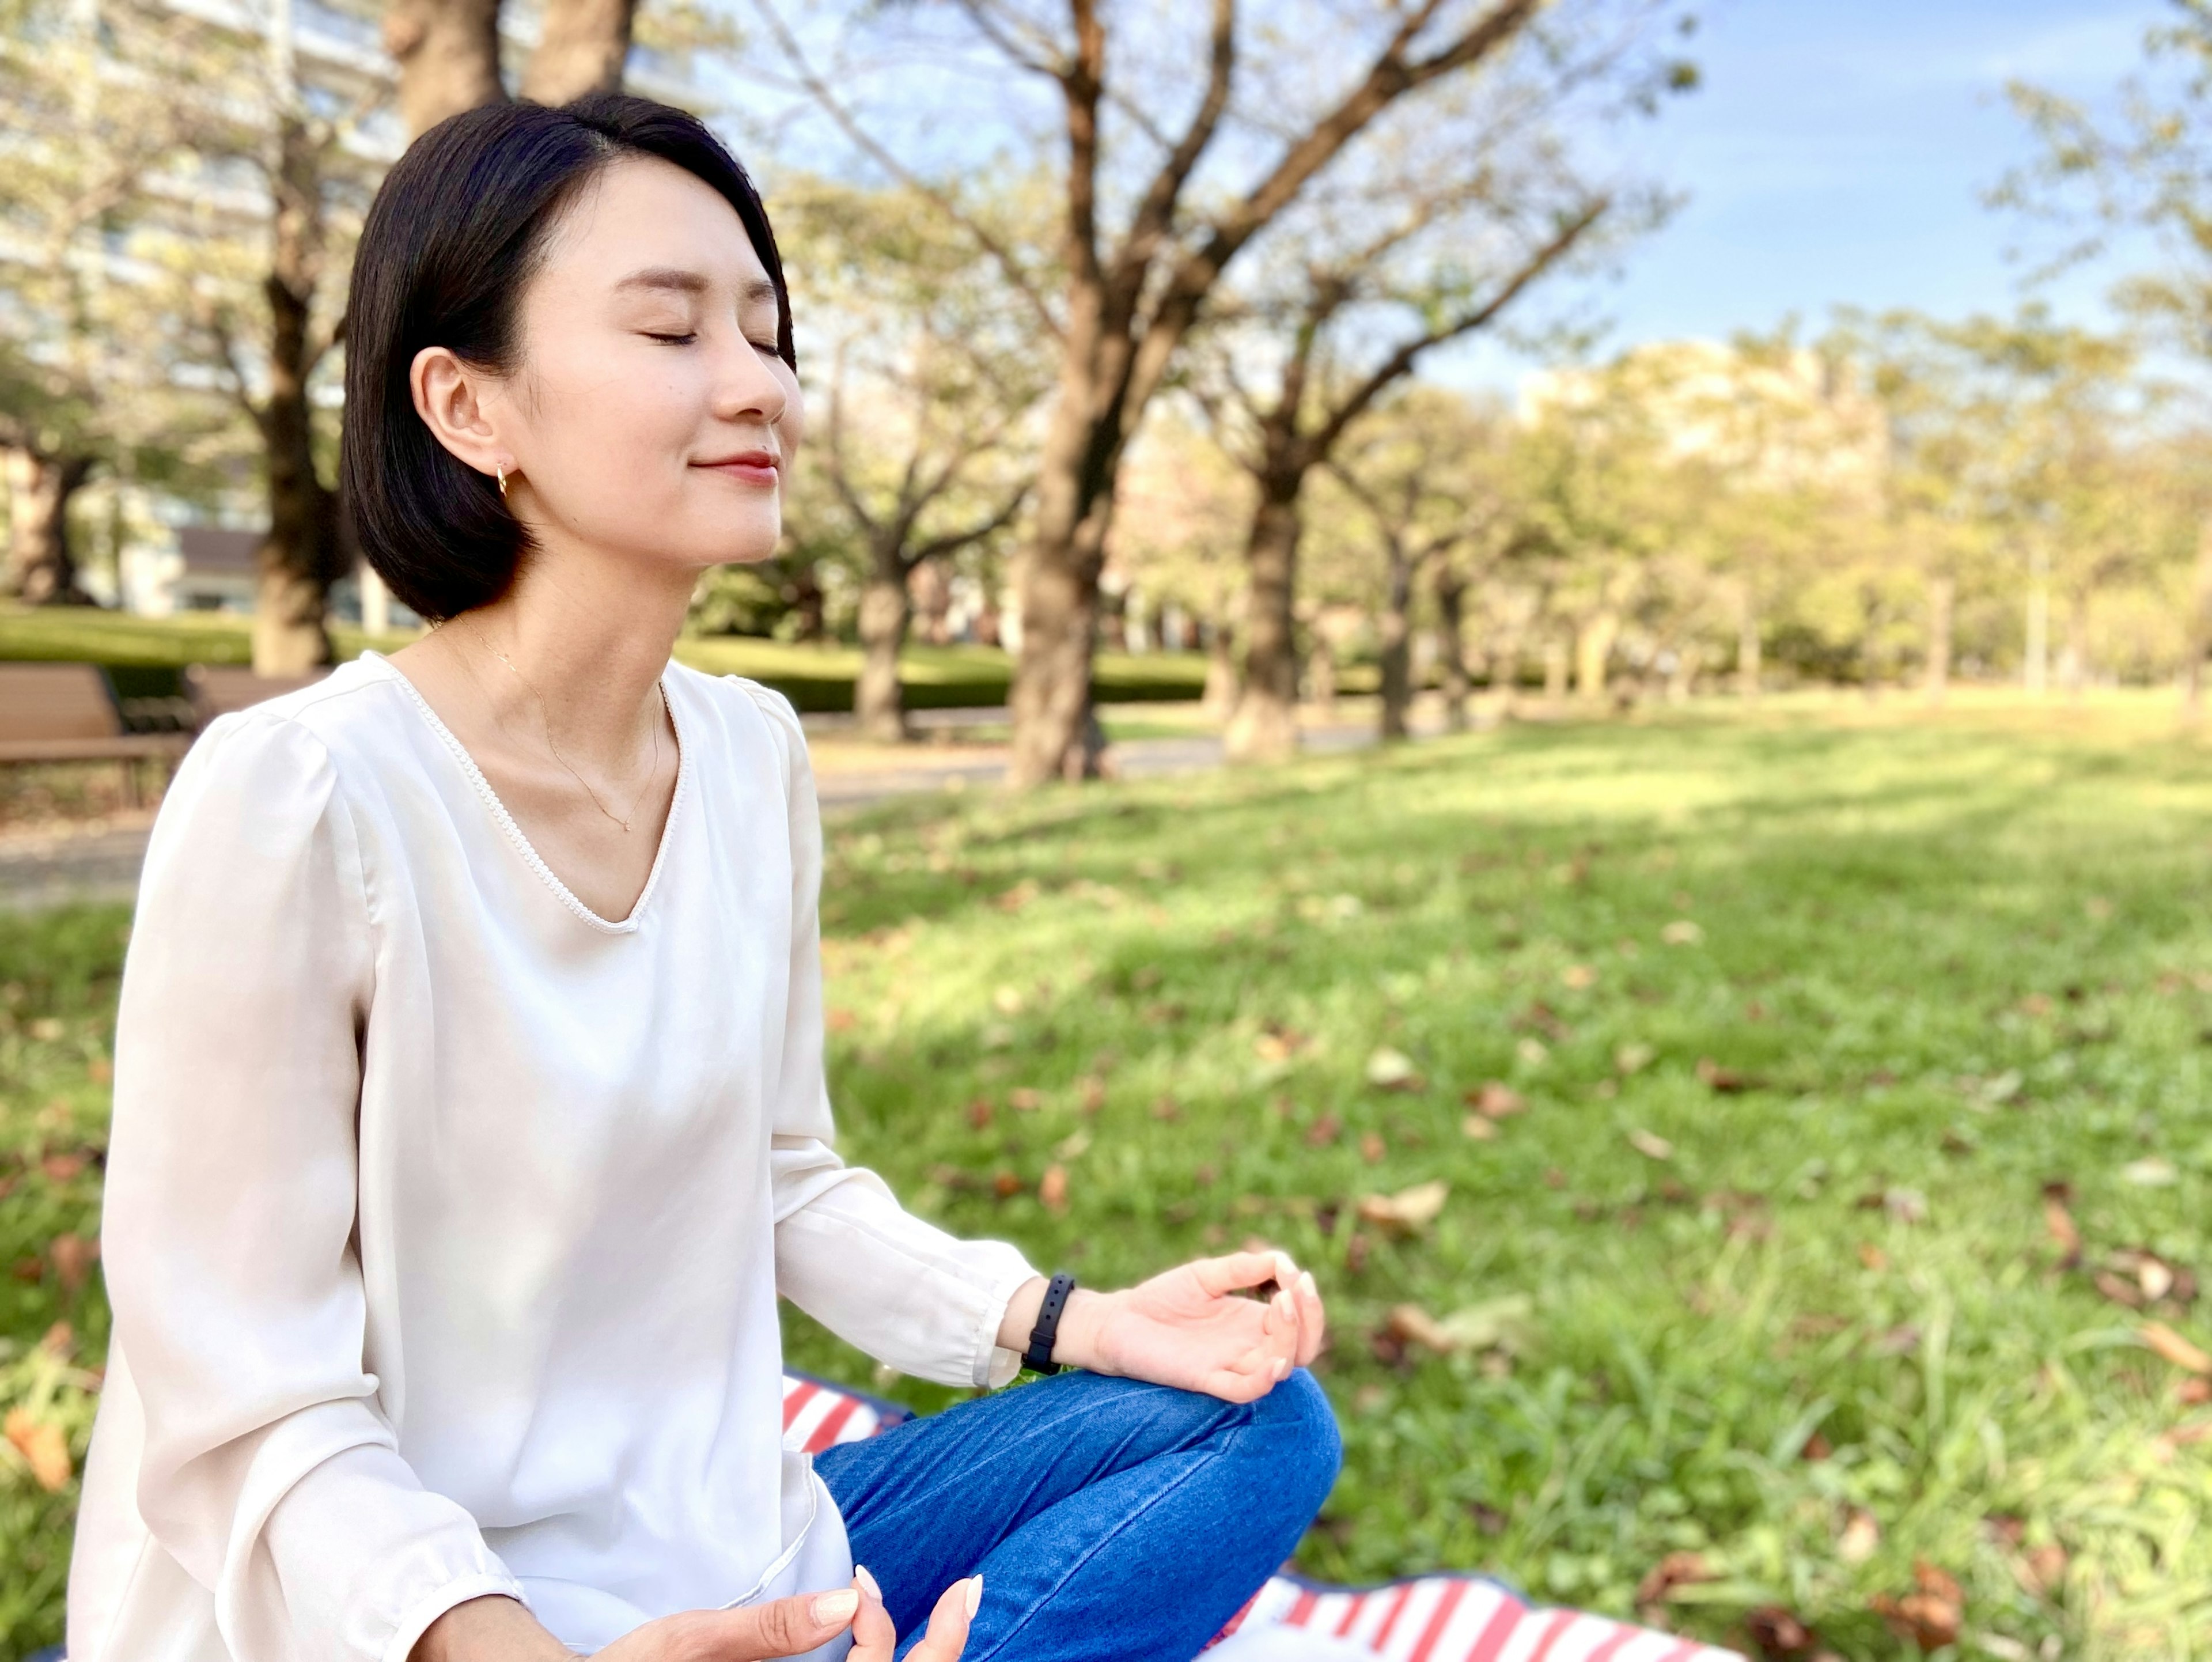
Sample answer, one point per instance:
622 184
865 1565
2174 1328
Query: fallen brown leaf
60 1168
1052 1190
1873 1256
2118 1289
1166 1108
840 1020
2193 1391
2060 1223
1409 1323
2042 1570
1324 1131
1930 1615
1494 1099
1372 1148
1026 1101
1726 1081
1006 1185
1408 1210
1651 1145
2164 1341
1862 1536
1480 1130
1676 1569
72 1258
1780 1634
43 1445
1578 977
978 1113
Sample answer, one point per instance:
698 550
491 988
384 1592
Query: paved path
101 862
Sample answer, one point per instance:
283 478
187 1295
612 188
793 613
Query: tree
1424 469
1155 211
2144 163
933 377
1411 285
97 110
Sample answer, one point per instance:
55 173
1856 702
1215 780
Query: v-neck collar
515 832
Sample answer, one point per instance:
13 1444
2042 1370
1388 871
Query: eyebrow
675 279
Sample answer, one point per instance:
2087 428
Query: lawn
816 678
1829 1238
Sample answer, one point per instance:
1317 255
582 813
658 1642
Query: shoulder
283 762
748 707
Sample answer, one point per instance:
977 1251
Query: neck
591 636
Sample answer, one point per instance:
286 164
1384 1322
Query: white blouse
446 1218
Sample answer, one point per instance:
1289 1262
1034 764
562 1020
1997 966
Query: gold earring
502 471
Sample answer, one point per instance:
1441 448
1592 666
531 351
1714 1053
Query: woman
469 1109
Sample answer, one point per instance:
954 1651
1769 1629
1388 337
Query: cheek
615 408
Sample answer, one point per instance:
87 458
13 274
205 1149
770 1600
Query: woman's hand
875 1639
1187 1327
500 1630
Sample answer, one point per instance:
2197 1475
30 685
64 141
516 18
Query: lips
746 466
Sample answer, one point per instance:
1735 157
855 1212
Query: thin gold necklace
545 716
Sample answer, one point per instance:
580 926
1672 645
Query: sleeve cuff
418 1619
996 1365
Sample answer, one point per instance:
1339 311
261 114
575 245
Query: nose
747 384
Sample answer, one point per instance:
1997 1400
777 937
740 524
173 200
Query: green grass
1948 962
816 678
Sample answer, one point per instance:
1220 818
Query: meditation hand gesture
1190 1327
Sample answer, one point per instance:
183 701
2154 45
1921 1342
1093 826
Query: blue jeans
1111 1520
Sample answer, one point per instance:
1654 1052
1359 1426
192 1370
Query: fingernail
1282 1367
1307 1284
833 1608
867 1582
974 1594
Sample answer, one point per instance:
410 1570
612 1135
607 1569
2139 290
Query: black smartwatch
1038 1357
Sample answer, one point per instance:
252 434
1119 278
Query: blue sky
1836 153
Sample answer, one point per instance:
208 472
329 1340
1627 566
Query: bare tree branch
849 124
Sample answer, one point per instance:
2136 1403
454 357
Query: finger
875 1639
949 1622
1286 1278
1234 1272
1279 1329
1313 1319
1238 1384
789 1627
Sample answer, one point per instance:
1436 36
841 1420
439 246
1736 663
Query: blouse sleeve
270 1470
846 1252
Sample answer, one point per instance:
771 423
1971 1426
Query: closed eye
673 340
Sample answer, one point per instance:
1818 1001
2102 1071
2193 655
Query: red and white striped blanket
1428 1618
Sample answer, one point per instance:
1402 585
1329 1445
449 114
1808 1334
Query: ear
455 401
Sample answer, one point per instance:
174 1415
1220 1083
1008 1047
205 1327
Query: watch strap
1038 1357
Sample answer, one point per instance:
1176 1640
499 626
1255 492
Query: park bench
69 713
218 689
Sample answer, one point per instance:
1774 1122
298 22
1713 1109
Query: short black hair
452 240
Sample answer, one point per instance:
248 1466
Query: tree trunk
2035 670
1056 733
1321 675
1220 700
1265 728
1942 597
1397 653
1451 663
931 589
1750 662
884 612
581 48
2197 637
1594 652
300 558
1555 669
41 569
1682 678
2073 657
447 51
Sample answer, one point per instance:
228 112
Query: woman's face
648 415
